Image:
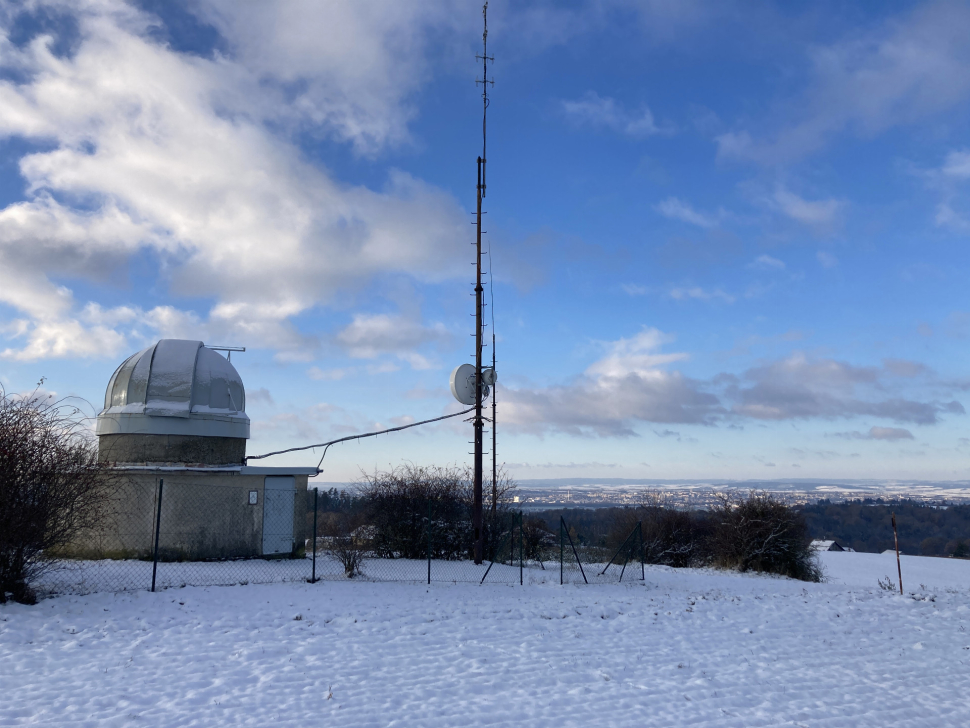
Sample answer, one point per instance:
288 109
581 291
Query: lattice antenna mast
477 525
485 82
491 290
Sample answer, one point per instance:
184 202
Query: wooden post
899 567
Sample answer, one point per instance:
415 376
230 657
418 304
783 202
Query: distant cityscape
700 494
590 493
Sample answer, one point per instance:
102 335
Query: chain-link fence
585 558
417 540
171 534
182 532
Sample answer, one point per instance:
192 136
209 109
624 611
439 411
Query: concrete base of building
220 514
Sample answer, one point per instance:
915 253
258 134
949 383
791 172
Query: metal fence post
158 523
313 575
643 576
521 547
429 541
562 524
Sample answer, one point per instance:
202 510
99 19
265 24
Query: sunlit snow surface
686 647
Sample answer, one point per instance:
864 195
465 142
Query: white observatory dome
175 387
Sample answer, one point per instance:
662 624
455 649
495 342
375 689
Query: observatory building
174 430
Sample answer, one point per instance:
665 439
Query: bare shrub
51 487
671 536
887 584
761 533
347 539
398 504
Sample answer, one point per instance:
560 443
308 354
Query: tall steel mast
477 524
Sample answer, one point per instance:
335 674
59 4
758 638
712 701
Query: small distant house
826 546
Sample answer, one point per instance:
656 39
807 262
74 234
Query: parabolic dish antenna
463 384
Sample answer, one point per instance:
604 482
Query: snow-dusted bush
761 533
51 487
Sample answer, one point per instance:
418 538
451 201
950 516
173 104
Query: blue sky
729 240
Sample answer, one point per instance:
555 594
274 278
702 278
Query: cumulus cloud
369 336
626 386
140 147
633 383
800 387
604 112
349 66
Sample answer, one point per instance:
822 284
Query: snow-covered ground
683 648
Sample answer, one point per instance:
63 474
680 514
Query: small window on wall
253 497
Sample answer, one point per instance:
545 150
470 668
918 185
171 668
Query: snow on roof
829 545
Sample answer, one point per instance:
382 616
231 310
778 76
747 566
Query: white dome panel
175 387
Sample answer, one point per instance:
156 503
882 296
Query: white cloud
371 336
146 148
626 386
679 210
802 387
636 355
598 111
327 375
766 262
953 210
700 294
632 384
817 213
347 66
957 165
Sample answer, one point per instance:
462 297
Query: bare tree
51 486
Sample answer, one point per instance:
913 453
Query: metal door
279 494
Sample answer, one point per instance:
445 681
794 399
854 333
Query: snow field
686 647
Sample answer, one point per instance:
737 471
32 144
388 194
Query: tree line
866 525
